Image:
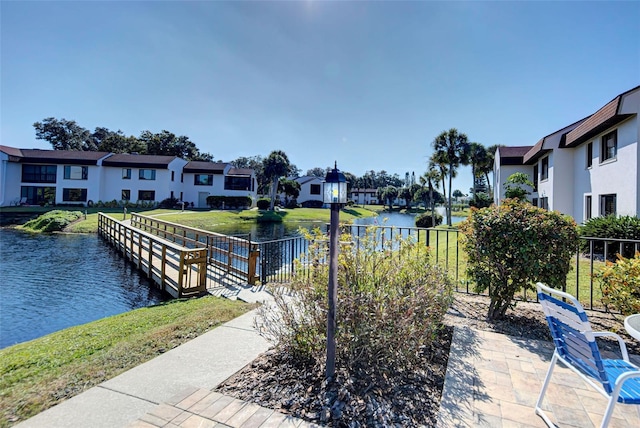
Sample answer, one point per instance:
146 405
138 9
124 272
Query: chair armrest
623 346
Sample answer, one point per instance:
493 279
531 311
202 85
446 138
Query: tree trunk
449 201
274 191
486 174
433 206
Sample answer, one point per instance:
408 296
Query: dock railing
176 269
234 255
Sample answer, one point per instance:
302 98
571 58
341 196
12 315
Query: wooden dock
182 261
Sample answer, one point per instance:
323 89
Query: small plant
620 284
263 203
53 221
517 186
425 220
514 245
391 301
481 200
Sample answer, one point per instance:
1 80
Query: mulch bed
277 381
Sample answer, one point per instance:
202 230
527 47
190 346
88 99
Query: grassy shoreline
38 374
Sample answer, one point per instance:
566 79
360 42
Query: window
39 173
146 195
535 178
544 168
587 207
38 195
315 189
126 173
237 183
126 195
609 148
534 202
74 195
147 174
75 172
203 179
544 203
607 205
589 155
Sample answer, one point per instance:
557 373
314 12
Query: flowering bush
515 245
620 284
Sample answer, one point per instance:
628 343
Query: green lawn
38 374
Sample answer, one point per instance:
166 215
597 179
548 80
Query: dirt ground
275 381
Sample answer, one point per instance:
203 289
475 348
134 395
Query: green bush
264 203
515 245
53 221
391 301
424 220
620 284
312 204
229 202
623 227
482 200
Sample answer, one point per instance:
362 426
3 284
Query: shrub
514 245
391 301
264 203
424 220
229 202
620 284
53 221
312 204
482 200
623 227
167 203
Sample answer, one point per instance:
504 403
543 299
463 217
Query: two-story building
38 177
586 169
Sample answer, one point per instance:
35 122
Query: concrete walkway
492 381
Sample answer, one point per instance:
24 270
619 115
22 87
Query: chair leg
539 410
613 399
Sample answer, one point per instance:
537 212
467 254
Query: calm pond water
51 282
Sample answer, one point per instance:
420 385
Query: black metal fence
276 258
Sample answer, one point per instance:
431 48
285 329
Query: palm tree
276 165
431 177
477 158
452 148
439 162
487 166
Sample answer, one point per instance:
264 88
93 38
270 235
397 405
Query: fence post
254 253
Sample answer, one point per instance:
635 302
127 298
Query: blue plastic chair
576 347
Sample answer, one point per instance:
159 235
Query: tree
290 188
276 166
457 194
257 164
431 177
453 149
487 166
514 245
388 194
168 144
517 186
477 157
439 162
116 142
405 193
317 172
64 134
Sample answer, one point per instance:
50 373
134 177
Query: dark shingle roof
606 117
138 161
69 157
246 172
200 167
11 151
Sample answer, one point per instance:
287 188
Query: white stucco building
38 177
588 168
310 189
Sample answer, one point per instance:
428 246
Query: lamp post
335 194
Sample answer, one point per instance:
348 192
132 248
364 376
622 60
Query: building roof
513 155
138 161
539 149
11 151
69 157
307 178
244 172
608 116
203 167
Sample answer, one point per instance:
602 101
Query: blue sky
369 84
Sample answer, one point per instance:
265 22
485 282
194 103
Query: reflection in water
51 282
